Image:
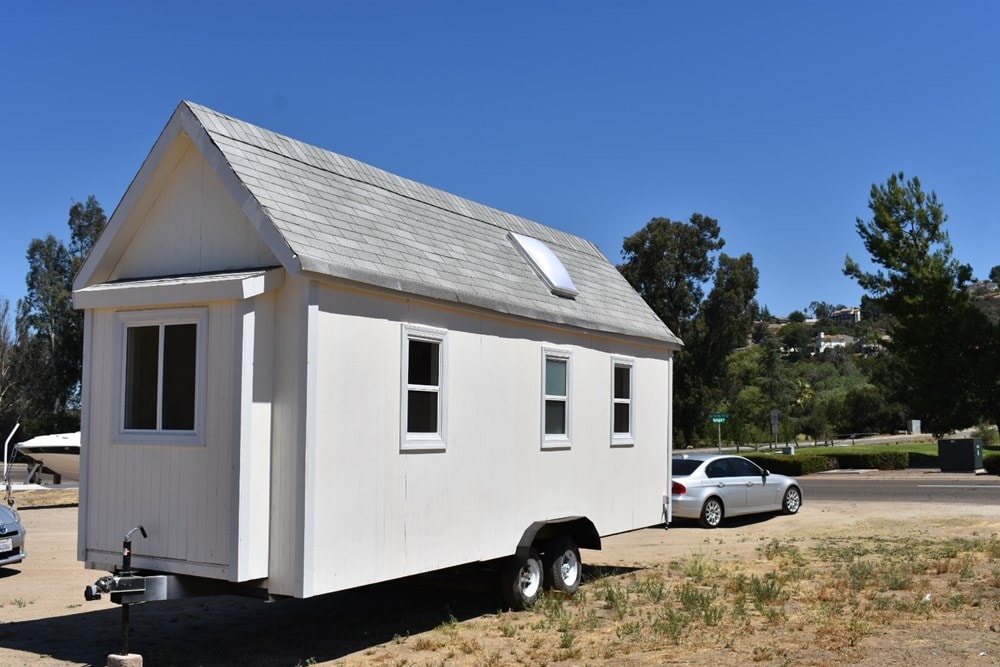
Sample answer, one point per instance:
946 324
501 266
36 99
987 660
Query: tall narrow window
556 399
621 402
160 390
423 407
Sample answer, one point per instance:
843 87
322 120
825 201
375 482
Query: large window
423 401
621 401
162 359
556 383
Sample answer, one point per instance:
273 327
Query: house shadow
229 630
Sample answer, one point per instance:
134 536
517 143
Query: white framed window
556 398
162 376
424 369
622 405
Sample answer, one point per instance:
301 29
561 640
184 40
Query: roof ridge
381 179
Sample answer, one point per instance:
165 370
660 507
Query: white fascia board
157 292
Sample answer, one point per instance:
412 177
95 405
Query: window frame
557 440
623 438
437 441
161 318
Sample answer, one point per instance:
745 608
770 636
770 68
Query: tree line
938 347
940 343
41 344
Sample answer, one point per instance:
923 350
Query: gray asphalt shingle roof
346 219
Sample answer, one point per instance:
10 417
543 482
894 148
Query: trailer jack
125 587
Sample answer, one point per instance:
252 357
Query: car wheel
521 580
792 501
711 513
563 569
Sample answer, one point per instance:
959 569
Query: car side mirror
765 473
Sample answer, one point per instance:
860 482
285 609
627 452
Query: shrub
987 433
799 464
992 465
888 460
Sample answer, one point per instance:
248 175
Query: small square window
161 376
423 400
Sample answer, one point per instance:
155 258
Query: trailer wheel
521 580
563 568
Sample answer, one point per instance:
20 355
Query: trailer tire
563 567
521 580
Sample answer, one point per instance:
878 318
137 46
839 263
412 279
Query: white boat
58 452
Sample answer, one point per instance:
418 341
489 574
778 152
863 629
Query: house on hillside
825 342
303 373
846 315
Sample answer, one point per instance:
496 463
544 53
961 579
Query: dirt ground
453 619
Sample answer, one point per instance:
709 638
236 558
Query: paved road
917 487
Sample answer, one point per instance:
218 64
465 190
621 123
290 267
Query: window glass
421 412
719 468
622 414
623 382
424 366
180 358
142 377
555 377
744 468
555 417
681 467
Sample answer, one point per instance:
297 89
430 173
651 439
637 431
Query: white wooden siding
379 513
194 226
180 494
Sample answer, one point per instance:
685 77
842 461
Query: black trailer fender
580 528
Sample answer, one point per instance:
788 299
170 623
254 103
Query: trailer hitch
124 586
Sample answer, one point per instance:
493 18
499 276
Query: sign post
720 418
774 427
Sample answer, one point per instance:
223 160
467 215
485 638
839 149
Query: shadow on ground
227 630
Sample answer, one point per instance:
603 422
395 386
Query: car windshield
684 466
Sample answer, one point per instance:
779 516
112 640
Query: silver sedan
708 487
11 537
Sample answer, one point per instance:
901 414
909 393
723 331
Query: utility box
960 454
913 427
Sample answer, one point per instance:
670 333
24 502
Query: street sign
719 417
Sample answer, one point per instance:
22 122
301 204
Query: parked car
11 537
708 487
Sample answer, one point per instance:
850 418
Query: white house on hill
305 374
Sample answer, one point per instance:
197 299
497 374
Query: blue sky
773 117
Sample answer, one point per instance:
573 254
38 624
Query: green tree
669 263
946 348
995 274
49 332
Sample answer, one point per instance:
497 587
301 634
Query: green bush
797 464
887 460
992 465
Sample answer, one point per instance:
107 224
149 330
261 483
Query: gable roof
328 216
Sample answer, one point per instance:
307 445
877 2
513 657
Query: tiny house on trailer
303 374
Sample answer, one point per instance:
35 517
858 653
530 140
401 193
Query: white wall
192 226
179 493
380 513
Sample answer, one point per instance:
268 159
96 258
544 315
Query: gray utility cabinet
960 454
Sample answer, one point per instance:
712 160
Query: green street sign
719 417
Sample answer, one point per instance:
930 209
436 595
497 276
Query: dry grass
861 600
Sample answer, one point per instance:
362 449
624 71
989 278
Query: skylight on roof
546 264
